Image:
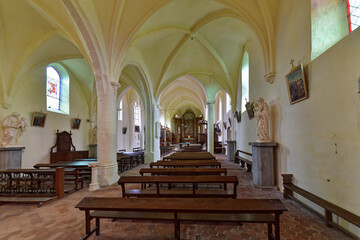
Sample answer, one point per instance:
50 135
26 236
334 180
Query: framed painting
296 85
237 116
137 129
250 110
75 123
38 119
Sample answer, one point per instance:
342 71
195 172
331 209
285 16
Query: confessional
65 149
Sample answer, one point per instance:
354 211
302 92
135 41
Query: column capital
115 86
210 102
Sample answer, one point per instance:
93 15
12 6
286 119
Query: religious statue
261 110
13 127
94 135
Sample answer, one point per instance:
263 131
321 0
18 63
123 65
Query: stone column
152 143
94 185
210 127
106 145
230 151
263 166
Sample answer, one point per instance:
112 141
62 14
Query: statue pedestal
263 163
230 150
93 150
10 157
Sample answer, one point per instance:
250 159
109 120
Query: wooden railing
330 208
241 160
49 182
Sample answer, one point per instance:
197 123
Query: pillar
152 139
106 152
210 128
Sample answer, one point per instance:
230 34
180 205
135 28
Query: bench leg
270 235
87 222
176 228
328 218
97 226
277 226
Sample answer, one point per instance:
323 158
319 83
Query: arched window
353 13
120 111
136 114
228 103
245 81
57 89
220 110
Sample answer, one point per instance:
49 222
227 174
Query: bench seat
180 193
220 217
177 210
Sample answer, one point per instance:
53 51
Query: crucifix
292 63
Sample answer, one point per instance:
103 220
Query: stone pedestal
230 150
263 166
93 150
10 157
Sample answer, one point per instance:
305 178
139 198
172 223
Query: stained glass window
228 103
53 88
353 10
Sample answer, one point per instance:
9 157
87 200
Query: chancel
198 119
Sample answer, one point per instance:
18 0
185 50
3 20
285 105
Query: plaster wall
318 137
30 97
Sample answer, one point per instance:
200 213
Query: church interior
144 80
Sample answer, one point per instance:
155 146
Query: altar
189 140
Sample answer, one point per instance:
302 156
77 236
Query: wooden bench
82 166
169 180
242 160
183 171
128 160
190 156
177 210
186 163
330 208
31 185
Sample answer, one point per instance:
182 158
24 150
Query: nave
59 220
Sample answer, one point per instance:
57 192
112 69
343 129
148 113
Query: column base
149 157
108 174
94 187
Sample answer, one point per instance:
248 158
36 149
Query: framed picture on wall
250 110
38 119
137 129
296 85
75 123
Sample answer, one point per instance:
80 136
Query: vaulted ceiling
160 40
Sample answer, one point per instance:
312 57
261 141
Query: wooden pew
186 163
177 210
183 171
330 208
128 160
82 166
190 156
36 186
242 160
193 180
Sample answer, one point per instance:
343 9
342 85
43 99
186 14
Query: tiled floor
59 220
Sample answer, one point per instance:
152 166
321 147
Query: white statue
94 135
261 110
13 127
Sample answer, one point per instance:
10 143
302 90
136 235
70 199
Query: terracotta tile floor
60 220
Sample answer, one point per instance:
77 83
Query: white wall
30 97
319 137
